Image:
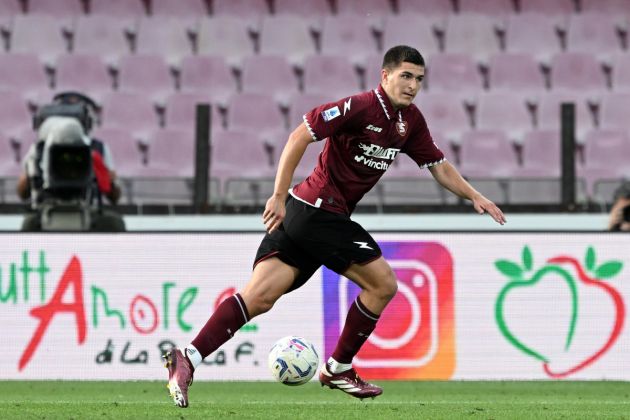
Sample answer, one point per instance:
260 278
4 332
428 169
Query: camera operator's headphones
69 104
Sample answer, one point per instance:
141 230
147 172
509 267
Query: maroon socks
228 318
360 323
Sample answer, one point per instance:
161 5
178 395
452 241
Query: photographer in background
67 173
620 212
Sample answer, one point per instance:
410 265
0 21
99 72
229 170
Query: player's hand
483 205
274 213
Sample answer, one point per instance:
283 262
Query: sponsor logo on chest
374 128
374 156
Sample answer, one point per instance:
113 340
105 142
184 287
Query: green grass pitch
267 400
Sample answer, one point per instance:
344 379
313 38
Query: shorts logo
414 338
331 113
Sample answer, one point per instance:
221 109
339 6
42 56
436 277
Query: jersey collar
385 102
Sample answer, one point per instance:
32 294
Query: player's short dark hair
399 54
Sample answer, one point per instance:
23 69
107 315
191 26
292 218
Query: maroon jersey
364 135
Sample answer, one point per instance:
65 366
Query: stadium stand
497 73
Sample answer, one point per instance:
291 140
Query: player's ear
384 74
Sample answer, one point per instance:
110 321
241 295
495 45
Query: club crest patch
401 127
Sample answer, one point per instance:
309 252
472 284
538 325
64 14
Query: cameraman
105 184
619 220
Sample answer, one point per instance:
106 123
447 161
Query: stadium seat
234 35
517 73
445 114
607 148
348 35
10 8
594 33
24 73
487 153
130 111
433 8
286 35
303 103
497 8
541 154
372 72
84 73
14 114
364 8
245 9
130 9
308 9
330 75
270 75
229 162
255 113
577 72
147 75
209 75
548 112
472 34
546 7
166 37
504 111
535 34
128 159
102 35
181 8
621 73
453 72
171 152
613 113
39 35
58 8
180 112
415 30
605 6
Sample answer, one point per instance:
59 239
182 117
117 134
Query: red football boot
180 376
349 382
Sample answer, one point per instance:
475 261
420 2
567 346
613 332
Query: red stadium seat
330 75
234 35
594 33
147 75
348 35
208 75
24 73
270 75
504 111
535 34
487 7
84 73
454 73
445 114
577 72
180 8
546 7
432 8
613 113
515 72
181 109
120 8
477 145
472 34
415 30
104 35
548 112
40 35
130 111
57 8
166 37
286 35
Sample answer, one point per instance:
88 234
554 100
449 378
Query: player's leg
270 279
378 283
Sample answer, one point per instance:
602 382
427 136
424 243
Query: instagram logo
414 338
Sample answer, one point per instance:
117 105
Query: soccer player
309 225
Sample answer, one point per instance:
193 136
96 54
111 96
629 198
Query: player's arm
449 178
293 151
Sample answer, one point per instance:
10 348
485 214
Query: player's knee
389 286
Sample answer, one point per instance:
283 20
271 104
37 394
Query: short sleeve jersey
364 135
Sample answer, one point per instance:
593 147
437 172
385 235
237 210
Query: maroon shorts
309 238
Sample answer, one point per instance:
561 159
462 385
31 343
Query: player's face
402 83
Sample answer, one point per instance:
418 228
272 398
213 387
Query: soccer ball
293 360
